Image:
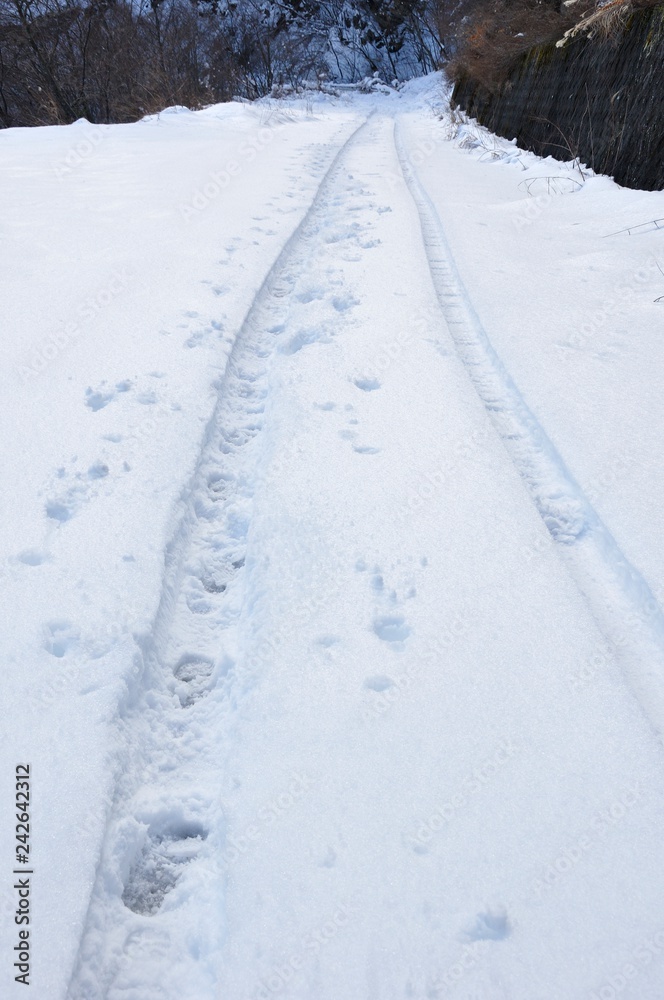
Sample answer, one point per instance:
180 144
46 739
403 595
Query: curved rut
616 593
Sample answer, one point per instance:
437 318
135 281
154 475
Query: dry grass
495 35
608 19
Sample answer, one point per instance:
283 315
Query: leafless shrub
535 186
642 227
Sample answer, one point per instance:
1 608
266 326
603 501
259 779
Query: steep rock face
601 99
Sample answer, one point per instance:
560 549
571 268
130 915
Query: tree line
116 60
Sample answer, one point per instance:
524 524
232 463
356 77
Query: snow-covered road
341 670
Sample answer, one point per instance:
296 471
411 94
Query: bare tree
115 60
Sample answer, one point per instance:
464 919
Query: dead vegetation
607 19
493 34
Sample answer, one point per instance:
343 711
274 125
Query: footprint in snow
203 334
33 557
97 399
439 347
392 629
328 640
65 505
494 925
98 471
342 303
365 449
63 508
160 866
310 295
193 675
60 638
329 859
367 384
148 939
300 340
147 398
379 683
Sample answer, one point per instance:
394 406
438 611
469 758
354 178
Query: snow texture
333 548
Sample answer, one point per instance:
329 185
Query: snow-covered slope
332 560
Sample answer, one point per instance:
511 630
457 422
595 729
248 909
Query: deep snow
332 559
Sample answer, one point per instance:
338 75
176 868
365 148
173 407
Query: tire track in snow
619 597
154 922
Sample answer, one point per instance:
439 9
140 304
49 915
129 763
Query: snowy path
301 813
394 730
165 814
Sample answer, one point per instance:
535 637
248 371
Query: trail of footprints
195 655
193 674
193 662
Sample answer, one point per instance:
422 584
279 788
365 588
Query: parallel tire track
619 597
164 837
